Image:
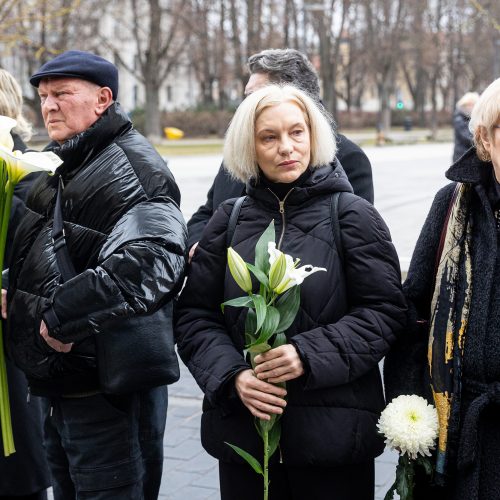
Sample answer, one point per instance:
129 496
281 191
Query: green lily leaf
258 348
238 302
288 306
279 340
253 462
274 438
268 329
260 309
262 277
261 253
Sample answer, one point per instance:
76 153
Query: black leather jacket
127 241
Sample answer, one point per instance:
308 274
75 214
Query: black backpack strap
63 258
337 235
233 220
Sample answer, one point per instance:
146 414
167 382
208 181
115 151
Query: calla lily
292 275
239 270
14 165
21 164
6 125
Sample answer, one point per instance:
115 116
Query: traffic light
400 104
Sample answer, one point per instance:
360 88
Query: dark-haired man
282 66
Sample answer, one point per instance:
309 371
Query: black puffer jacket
127 241
347 321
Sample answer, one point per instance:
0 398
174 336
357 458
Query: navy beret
79 64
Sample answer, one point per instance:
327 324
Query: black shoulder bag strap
233 220
63 258
337 236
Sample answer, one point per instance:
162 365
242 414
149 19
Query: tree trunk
152 123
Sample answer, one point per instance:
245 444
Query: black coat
346 323
354 161
462 134
406 370
24 472
127 241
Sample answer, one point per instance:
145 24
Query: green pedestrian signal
400 104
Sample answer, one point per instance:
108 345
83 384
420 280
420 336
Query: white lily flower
293 275
239 270
21 164
6 125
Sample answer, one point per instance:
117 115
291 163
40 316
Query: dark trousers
350 482
104 447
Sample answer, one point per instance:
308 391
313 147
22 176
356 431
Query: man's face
256 82
69 106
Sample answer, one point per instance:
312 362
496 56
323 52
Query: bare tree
384 31
160 39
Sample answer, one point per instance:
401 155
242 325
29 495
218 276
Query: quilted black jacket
127 241
349 317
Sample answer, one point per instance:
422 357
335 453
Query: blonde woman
282 146
453 290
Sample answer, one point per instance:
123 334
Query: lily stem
265 436
5 416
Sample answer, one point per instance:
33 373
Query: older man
282 66
123 240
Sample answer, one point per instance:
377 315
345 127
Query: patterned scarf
449 316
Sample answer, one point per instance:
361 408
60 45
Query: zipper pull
28 395
282 207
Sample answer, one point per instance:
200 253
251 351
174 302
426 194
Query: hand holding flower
280 364
261 398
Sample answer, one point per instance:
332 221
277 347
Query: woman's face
282 142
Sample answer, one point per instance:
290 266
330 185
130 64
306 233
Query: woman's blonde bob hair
240 158
11 104
485 115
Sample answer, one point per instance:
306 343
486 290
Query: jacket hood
470 169
82 147
327 179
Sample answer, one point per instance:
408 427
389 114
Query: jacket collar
78 150
327 179
470 169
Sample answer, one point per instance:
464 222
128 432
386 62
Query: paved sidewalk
190 473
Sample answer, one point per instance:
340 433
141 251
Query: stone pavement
190 473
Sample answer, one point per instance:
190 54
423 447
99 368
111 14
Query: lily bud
239 270
277 271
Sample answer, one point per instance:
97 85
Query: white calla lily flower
21 164
6 125
293 275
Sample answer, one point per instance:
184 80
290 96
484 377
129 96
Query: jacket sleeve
200 218
140 267
357 166
405 367
203 342
338 353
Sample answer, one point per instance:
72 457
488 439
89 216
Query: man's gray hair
286 66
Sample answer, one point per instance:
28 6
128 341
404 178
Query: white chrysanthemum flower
409 425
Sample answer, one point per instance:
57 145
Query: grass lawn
193 148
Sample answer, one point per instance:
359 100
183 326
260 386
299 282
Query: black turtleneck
280 189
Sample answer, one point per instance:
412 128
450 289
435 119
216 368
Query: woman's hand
259 397
279 365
